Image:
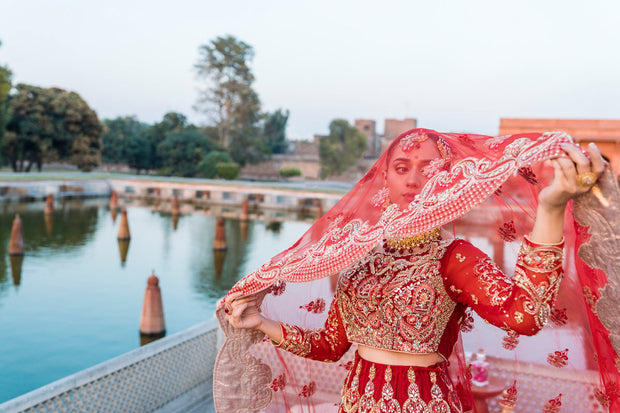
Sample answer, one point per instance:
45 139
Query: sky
454 65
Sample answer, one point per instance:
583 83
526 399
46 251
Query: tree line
47 125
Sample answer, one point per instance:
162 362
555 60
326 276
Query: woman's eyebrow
402 160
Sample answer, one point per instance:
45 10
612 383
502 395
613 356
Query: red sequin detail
508 231
317 306
602 397
308 389
553 405
467 140
278 288
279 383
558 316
509 396
467 324
468 375
558 358
347 366
528 175
511 340
606 397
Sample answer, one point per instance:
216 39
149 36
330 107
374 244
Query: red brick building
605 133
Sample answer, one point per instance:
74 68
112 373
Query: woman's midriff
396 358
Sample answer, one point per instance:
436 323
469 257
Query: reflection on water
77 300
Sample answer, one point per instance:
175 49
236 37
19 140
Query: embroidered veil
496 178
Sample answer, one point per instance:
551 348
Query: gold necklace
399 244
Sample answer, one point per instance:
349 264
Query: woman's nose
414 178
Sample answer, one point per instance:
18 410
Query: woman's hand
242 312
573 176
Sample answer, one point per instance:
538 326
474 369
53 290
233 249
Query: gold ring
587 179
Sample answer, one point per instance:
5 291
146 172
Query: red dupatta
504 173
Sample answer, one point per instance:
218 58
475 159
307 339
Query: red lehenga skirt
374 387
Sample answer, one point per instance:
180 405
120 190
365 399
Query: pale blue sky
454 65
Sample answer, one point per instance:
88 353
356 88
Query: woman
404 284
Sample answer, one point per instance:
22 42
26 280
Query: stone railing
173 374
34 190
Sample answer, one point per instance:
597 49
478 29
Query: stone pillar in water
175 205
113 201
175 212
152 324
16 245
49 205
244 210
219 243
123 230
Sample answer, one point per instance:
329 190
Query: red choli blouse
415 302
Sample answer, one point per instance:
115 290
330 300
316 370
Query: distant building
369 128
605 133
393 128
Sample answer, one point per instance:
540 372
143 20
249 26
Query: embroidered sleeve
521 304
325 344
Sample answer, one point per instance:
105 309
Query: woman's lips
410 196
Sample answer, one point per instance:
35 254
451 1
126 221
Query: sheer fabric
498 176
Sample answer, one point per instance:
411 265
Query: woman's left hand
573 176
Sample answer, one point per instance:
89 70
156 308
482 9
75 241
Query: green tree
5 88
274 131
230 100
51 124
137 153
182 151
157 133
117 134
227 170
341 148
207 166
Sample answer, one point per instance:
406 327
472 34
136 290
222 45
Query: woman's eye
401 169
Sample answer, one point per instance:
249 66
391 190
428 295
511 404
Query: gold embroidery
538 298
396 302
367 401
518 317
351 397
414 241
455 290
388 403
460 257
295 340
497 289
590 298
437 404
414 402
540 258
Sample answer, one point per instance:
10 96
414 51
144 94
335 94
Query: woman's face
405 175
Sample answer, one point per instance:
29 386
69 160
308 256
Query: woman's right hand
243 312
